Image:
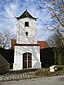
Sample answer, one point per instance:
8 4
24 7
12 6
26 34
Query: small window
26 24
26 33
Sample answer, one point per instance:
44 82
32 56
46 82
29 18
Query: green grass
46 71
42 72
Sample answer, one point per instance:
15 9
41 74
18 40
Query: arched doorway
27 60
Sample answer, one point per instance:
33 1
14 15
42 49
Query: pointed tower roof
25 14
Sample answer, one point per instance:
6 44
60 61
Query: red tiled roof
13 42
42 44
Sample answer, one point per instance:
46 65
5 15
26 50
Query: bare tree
5 37
56 7
58 16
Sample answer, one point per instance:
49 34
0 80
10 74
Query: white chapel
26 49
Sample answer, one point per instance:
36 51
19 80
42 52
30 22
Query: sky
9 9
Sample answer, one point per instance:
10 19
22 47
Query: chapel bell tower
26 29
27 51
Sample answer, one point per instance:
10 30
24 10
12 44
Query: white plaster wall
18 56
17 60
21 29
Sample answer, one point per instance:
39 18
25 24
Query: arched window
26 33
27 60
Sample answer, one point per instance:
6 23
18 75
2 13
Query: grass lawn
42 72
31 73
46 71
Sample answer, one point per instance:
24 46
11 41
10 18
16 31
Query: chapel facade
26 49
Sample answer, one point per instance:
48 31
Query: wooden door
27 60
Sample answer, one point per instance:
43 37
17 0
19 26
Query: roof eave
18 18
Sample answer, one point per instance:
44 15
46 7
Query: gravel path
56 80
17 76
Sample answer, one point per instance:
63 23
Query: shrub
46 71
43 72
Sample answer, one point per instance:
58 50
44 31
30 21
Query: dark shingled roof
25 14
